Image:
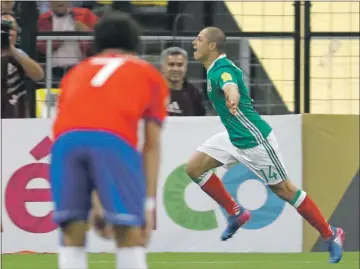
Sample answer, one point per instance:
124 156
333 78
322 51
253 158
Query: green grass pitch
195 261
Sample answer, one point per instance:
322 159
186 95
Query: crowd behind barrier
268 62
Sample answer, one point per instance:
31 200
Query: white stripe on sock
204 178
301 199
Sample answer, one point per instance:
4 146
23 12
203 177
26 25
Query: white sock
72 258
131 258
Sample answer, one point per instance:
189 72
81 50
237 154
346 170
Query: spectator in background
44 6
186 99
64 18
15 65
7 6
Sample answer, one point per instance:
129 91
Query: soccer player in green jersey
248 139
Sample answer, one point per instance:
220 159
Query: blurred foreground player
102 101
248 139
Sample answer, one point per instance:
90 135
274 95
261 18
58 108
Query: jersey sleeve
226 76
159 99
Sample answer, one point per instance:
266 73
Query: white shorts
265 159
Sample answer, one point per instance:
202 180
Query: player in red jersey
103 100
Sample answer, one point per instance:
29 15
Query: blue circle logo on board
268 212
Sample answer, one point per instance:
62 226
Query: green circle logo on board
178 210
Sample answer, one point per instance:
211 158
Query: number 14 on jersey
269 174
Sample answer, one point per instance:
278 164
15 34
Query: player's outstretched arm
232 97
229 85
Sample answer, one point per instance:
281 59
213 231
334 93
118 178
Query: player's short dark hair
117 30
217 35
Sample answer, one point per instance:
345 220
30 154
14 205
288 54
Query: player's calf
305 206
130 243
285 190
127 236
72 253
198 169
74 234
308 209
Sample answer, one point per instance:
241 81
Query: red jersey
111 92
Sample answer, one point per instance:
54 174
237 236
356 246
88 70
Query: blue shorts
83 161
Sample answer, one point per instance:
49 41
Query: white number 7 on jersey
110 65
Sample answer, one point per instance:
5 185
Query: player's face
175 67
201 46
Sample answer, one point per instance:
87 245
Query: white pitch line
232 262
206 262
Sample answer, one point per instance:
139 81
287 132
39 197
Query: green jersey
246 129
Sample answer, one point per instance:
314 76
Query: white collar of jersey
213 63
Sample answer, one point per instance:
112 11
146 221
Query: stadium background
299 57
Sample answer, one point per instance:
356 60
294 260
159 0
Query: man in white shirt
64 18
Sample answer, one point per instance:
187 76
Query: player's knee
285 190
199 164
126 236
74 234
192 170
